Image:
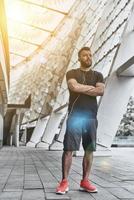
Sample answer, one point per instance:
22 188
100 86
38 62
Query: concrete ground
32 174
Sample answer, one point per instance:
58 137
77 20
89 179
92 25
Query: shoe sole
90 191
59 192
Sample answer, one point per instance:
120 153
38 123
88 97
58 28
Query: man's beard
85 65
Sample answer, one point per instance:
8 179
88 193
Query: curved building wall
4 67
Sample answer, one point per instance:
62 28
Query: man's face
85 58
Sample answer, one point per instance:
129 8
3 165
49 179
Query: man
84 86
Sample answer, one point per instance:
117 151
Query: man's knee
88 153
68 153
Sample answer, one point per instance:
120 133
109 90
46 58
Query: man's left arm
98 90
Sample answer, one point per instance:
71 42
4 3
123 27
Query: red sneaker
85 185
62 187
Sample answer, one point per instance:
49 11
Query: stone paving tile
50 190
121 193
102 182
10 195
53 196
103 194
50 185
31 177
106 176
79 195
33 195
13 187
73 185
124 183
33 185
127 178
130 188
2 186
10 198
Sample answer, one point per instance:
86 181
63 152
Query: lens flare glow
105 165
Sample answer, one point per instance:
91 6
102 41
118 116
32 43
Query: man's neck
85 69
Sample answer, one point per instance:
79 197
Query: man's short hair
83 48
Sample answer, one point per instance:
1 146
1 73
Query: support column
58 144
16 128
38 132
112 107
24 136
51 128
12 131
1 130
119 88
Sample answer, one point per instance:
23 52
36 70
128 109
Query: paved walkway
32 174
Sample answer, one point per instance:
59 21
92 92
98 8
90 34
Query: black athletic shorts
80 125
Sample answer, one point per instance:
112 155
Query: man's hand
97 91
86 89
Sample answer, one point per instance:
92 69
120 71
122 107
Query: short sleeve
70 74
100 78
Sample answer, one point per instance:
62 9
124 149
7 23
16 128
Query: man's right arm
77 87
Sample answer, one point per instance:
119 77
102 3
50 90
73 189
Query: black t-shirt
83 102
